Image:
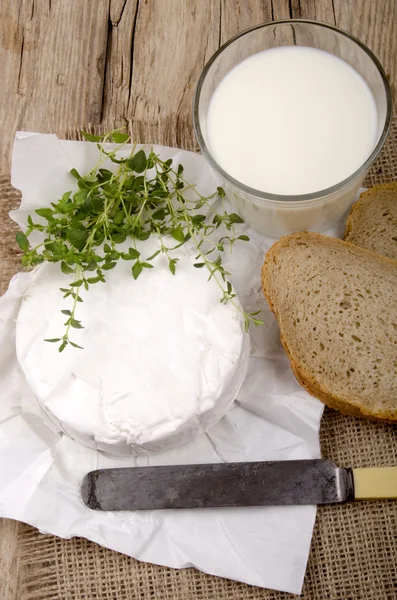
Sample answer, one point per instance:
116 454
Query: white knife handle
375 483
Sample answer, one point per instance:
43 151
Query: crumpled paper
273 418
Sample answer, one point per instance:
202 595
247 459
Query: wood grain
71 63
375 23
53 57
167 65
11 53
239 15
119 51
9 562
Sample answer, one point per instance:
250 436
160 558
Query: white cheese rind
163 359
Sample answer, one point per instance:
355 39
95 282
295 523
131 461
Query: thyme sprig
145 196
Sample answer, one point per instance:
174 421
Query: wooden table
71 63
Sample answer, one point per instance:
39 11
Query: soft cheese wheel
163 359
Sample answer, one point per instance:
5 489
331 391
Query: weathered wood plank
9 559
281 9
318 10
118 69
11 53
173 40
240 14
69 73
375 23
53 58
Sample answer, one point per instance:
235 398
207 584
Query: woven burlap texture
354 548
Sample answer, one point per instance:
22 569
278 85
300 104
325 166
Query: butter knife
235 484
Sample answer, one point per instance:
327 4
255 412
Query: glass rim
260 194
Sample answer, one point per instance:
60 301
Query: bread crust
358 205
302 374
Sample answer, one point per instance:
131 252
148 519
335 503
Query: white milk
292 120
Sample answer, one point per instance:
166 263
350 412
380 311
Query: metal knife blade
216 485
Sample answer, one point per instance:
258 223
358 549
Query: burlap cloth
354 548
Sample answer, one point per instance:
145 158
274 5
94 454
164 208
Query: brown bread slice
372 222
336 305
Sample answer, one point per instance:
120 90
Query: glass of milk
292 114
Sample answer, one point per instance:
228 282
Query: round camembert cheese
163 359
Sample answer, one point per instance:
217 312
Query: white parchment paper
272 419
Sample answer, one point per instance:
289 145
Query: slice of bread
336 305
372 222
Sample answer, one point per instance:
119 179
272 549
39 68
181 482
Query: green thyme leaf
22 241
154 255
196 219
47 213
137 162
90 137
172 263
77 237
66 269
76 324
159 214
75 345
108 266
75 174
119 217
133 253
178 235
120 138
137 270
235 218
